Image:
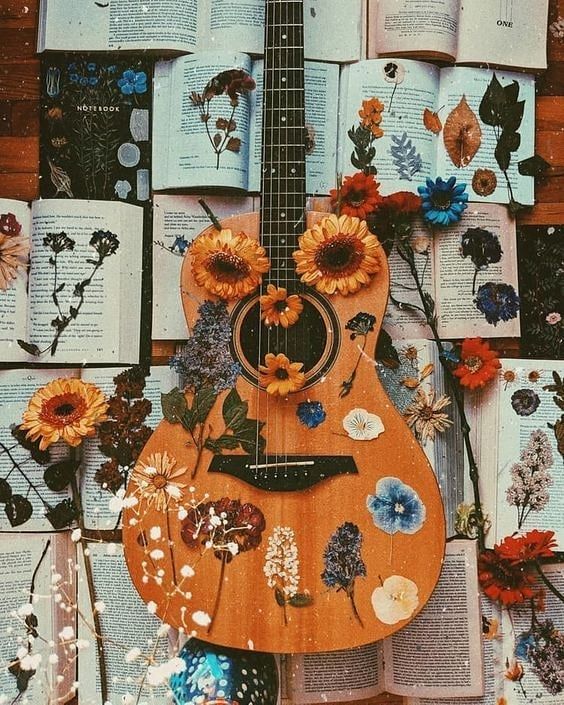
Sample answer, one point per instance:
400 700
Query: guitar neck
283 137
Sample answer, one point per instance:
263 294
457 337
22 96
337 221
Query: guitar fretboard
283 137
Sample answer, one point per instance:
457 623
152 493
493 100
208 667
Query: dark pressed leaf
174 405
73 312
533 166
385 351
62 514
59 475
204 399
217 138
300 600
18 510
279 595
29 348
40 456
60 288
31 624
511 92
5 490
515 207
513 116
492 105
502 156
22 676
225 442
54 346
234 410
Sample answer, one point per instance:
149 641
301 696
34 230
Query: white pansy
361 425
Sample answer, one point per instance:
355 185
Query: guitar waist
283 473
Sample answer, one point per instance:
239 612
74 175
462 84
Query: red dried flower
478 363
359 195
503 581
9 224
402 202
531 546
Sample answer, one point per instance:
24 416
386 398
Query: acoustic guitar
283 504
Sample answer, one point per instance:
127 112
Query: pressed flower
343 562
14 251
531 546
490 628
64 409
227 265
132 82
394 72
478 363
531 477
396 507
484 182
280 376
156 480
525 402
553 318
504 581
514 671
395 600
311 413
361 425
425 414
443 202
361 325
58 242
482 246
9 225
371 116
358 195
337 255
498 302
277 308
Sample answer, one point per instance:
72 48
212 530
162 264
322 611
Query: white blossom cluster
281 561
530 476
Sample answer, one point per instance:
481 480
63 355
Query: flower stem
169 543
350 593
474 282
548 583
218 593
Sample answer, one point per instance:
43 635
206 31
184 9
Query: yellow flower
338 254
397 599
66 409
371 116
280 376
156 480
229 266
426 415
277 308
14 251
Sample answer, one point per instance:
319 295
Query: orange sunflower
280 376
229 266
371 116
358 196
277 308
478 363
337 254
65 409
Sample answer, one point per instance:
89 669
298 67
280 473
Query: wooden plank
18 9
550 145
25 118
544 214
5 118
24 187
19 81
162 350
549 113
16 43
552 82
19 154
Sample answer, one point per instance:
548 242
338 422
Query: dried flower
358 195
482 246
546 655
311 413
396 600
443 202
553 318
371 116
519 550
58 242
361 425
105 243
396 507
279 376
14 249
425 415
467 522
525 402
277 308
361 325
156 480
498 302
484 182
282 565
503 581
9 225
478 363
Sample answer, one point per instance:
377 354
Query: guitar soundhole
314 340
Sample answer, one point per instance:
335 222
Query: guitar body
335 561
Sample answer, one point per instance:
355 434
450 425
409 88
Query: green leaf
300 600
492 105
203 401
29 348
59 475
279 596
511 92
234 410
18 510
174 405
533 166
515 207
5 490
513 116
225 442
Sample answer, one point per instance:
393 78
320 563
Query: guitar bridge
283 473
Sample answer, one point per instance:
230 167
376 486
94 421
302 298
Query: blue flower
83 81
498 302
91 66
396 507
132 82
93 80
180 244
311 413
524 645
112 68
73 77
442 202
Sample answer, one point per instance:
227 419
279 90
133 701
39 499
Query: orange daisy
65 409
358 196
478 363
229 266
277 308
371 116
280 376
338 255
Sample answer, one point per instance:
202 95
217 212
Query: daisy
156 480
478 363
425 414
277 308
280 376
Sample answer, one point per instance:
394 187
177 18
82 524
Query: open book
438 654
500 33
97 307
514 420
16 388
454 281
333 31
185 154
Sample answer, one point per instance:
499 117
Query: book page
95 499
413 87
411 26
336 676
472 83
177 220
456 280
119 24
526 408
190 141
13 299
439 653
97 333
16 389
321 95
126 624
507 33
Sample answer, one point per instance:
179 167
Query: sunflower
371 116
14 250
338 254
358 195
280 376
478 363
426 414
156 480
229 266
66 409
277 308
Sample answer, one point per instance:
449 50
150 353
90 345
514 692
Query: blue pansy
524 645
443 202
311 413
132 82
180 244
498 302
396 507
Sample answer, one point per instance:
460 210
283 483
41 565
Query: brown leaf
217 138
462 134
432 121
410 382
234 144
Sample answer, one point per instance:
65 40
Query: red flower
359 195
478 363
504 581
402 202
9 224
530 547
